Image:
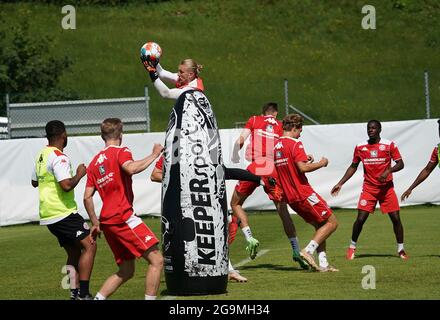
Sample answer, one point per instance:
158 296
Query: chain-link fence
28 120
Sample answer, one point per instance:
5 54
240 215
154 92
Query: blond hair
292 121
111 128
194 66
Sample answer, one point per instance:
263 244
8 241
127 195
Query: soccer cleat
350 253
252 247
309 259
403 255
86 297
236 276
329 268
297 258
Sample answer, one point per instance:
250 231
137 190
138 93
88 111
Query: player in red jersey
292 163
186 79
376 155
264 130
426 171
230 174
128 236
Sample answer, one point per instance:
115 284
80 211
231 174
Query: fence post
286 95
8 115
428 107
147 105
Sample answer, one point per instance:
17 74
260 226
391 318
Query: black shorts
69 230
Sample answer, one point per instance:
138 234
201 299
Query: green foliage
28 71
337 71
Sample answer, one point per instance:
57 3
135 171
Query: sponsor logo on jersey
364 149
78 233
148 238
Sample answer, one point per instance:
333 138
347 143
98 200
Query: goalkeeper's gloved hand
150 67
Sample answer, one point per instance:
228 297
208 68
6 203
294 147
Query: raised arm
132 167
70 184
166 75
304 166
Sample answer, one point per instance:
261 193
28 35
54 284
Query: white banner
415 140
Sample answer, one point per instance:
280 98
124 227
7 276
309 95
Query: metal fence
27 120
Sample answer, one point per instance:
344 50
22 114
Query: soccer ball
151 49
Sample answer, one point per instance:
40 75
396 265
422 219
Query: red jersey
376 158
434 155
265 131
159 163
106 175
197 83
288 151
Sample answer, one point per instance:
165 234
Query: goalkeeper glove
150 67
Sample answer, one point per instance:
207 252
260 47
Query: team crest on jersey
381 147
102 170
269 128
373 153
278 154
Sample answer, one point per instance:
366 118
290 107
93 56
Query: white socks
247 232
399 247
352 244
311 247
99 297
147 297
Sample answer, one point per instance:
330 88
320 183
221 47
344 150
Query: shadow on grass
376 255
272 267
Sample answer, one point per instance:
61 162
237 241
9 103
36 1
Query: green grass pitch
31 262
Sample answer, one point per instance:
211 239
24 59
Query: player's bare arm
90 208
397 167
239 144
134 167
426 171
347 175
70 184
304 166
156 175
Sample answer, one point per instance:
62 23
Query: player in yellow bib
53 176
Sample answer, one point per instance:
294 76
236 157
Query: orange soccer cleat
350 253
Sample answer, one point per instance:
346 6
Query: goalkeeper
186 79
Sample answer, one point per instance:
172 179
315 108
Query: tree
28 71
